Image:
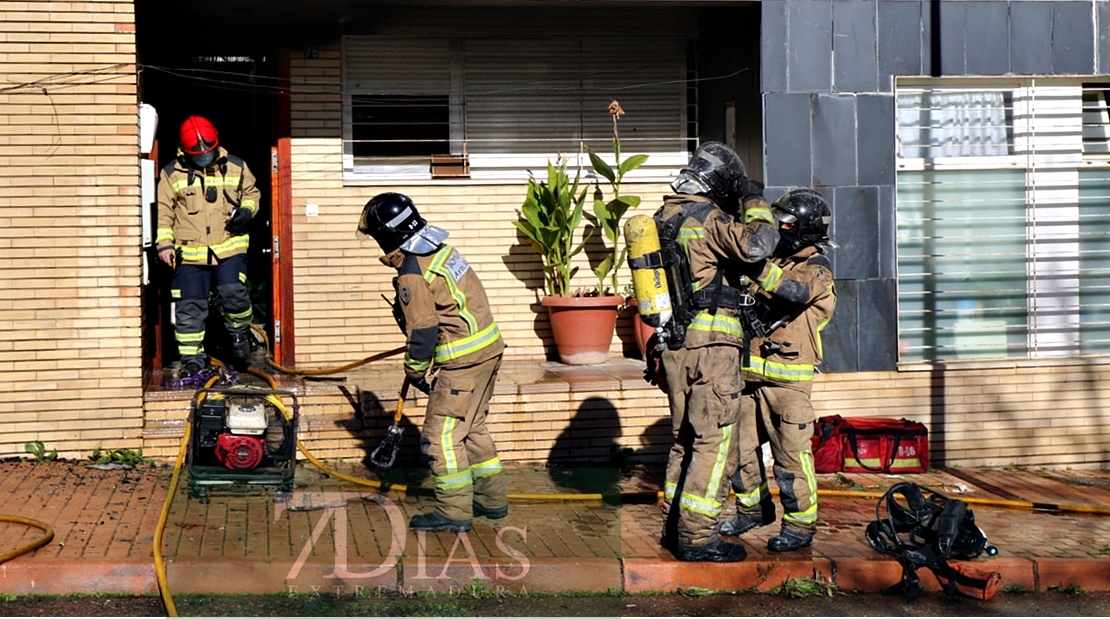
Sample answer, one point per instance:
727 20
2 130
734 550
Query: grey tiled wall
827 77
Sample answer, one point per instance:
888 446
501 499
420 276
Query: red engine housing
239 452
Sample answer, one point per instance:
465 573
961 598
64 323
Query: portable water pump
242 436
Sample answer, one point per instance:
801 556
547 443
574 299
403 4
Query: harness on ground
922 528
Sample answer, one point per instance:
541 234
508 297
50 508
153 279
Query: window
1003 220
506 106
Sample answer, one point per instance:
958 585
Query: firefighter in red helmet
206 201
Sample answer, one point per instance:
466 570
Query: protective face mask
787 238
203 161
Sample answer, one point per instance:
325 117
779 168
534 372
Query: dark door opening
236 94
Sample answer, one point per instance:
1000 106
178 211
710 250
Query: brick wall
70 359
1048 415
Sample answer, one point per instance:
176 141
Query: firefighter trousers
784 417
463 456
191 286
704 394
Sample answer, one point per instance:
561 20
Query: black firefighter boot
789 539
714 549
743 522
241 346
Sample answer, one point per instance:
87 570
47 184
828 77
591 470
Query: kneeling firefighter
716 221
796 299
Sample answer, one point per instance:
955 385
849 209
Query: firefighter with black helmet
206 201
720 220
797 299
443 311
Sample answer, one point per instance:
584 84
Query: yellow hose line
159 529
48 534
323 371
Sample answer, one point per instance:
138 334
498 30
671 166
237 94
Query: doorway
234 92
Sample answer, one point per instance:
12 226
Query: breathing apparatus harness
926 529
685 302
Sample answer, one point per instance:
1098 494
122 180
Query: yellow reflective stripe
820 341
207 181
200 252
700 505
720 323
467 345
790 372
242 278
454 481
236 242
906 462
669 488
773 279
250 205
487 468
417 365
190 344
437 267
755 497
239 320
182 183
809 516
719 464
164 234
873 463
450 459
758 213
685 235
175 293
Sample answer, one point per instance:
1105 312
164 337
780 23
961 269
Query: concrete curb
549 575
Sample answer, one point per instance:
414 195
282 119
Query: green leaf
632 163
600 166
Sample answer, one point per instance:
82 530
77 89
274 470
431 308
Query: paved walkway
334 536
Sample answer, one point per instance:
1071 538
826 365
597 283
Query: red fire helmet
198 136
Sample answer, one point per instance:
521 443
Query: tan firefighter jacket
715 242
800 290
446 316
189 222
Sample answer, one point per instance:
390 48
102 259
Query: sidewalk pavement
334 537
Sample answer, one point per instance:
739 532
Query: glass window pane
961 263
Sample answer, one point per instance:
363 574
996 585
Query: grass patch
1067 589
122 457
1015 589
805 587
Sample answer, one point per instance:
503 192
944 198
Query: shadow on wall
368 426
588 458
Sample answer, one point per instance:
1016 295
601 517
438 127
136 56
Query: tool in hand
386 453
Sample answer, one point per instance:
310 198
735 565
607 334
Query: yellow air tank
649 281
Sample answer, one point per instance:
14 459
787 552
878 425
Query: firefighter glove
239 220
421 383
749 188
654 373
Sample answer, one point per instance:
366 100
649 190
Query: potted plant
582 321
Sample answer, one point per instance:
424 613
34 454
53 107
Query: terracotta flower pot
583 327
640 330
